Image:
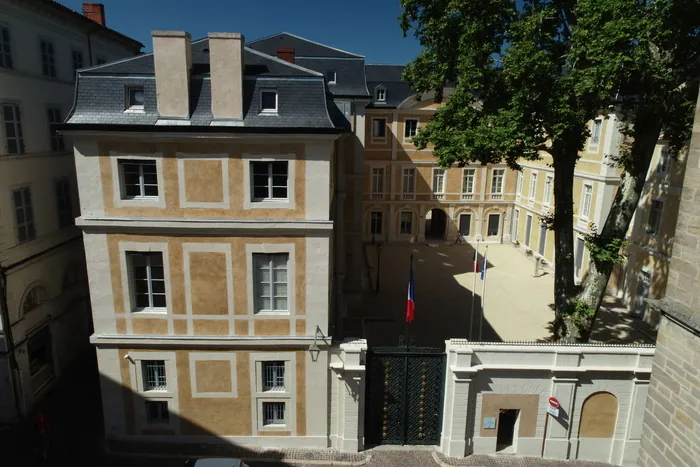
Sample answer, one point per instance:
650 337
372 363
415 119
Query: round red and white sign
554 402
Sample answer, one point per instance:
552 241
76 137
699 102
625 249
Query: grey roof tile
303 47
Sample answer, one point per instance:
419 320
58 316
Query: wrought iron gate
404 395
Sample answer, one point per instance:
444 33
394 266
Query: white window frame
269 111
665 160
380 96
269 263
62 188
230 357
379 139
548 182
657 227
270 184
519 184
408 177
149 281
532 191
468 174
73 53
259 395
438 173
498 174
488 218
128 106
335 76
130 307
6 58
170 395
118 181
407 138
586 205
16 123
248 201
515 226
51 63
401 223
27 222
592 143
271 248
378 175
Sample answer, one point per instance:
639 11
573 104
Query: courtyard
518 305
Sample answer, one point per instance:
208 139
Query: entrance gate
404 395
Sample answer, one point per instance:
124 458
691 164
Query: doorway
493 226
516 218
465 225
643 287
436 225
542 239
506 439
528 230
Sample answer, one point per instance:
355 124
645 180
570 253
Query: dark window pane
157 272
137 260
269 100
142 300
260 192
139 272
17 195
260 168
279 168
279 192
10 130
140 287
149 167
158 287
279 180
31 230
22 233
159 301
131 178
150 190
19 214
12 147
132 190
156 259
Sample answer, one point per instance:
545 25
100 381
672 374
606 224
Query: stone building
43 288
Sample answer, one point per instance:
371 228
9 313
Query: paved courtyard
518 306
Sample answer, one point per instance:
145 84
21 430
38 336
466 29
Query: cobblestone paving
512 461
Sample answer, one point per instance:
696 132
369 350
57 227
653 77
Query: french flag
411 301
476 259
483 268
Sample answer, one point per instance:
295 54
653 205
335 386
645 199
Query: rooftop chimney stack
95 12
287 54
173 61
226 66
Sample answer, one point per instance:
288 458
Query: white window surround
118 181
471 173
408 139
269 111
519 185
408 222
379 139
129 300
248 202
592 144
128 106
223 158
437 171
288 396
408 181
495 174
656 209
377 180
170 395
532 190
224 248
331 76
548 181
212 357
586 201
288 248
380 94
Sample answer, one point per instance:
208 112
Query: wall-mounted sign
552 411
490 422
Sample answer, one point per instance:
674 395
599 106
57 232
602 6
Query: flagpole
475 266
483 295
410 277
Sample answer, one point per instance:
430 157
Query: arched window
34 298
598 416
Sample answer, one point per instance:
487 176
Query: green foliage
605 249
579 314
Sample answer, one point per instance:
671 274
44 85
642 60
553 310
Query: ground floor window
376 220
273 413
465 225
157 412
406 223
493 225
40 359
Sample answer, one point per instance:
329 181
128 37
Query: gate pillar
457 419
349 367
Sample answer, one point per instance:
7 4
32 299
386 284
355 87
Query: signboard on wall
552 411
489 422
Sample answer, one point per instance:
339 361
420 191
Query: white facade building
43 292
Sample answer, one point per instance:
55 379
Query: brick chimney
95 12
172 57
226 60
286 53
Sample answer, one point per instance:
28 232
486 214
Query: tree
529 76
516 96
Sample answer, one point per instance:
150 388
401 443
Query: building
671 432
43 292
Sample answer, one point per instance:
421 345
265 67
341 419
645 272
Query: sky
365 27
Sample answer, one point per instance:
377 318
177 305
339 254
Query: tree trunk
647 130
564 165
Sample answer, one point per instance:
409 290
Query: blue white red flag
476 258
411 301
483 267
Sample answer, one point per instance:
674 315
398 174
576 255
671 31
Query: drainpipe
10 342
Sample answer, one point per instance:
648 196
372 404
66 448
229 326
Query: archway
436 224
597 427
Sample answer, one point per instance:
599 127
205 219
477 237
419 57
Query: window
268 102
24 214
77 56
147 280
154 375
134 97
48 58
63 202
596 131
664 161
497 180
533 185
465 224
13 129
33 299
380 94
139 178
586 201
410 128
406 226
468 177
519 186
273 376
377 180
409 181
273 413
5 49
578 256
376 220
270 180
54 117
493 225
39 351
438 180
157 412
548 189
270 284
101 60
379 128
654 220
330 76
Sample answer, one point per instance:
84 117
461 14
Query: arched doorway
597 427
435 224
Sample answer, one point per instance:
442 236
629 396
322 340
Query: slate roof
388 77
303 47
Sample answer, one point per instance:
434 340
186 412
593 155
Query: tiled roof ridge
307 40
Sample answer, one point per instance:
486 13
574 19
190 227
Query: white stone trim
171 395
290 202
317 442
222 342
223 158
212 357
288 396
225 248
379 139
268 248
317 180
118 181
145 247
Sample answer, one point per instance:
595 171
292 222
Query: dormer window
268 102
330 76
380 94
134 98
